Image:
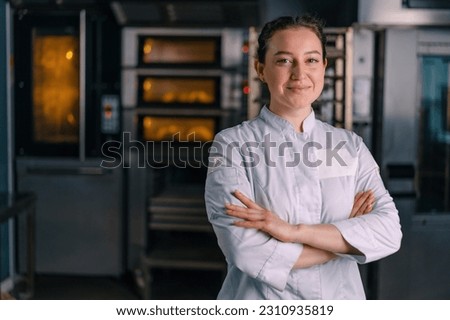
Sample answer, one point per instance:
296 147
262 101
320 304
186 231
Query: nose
297 72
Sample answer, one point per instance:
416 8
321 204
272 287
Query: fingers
251 214
358 196
357 203
363 203
249 224
246 201
244 213
368 205
250 218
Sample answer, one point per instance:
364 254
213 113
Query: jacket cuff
277 268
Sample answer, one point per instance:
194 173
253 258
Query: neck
294 116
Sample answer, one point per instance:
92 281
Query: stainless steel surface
231 60
391 12
231 42
420 269
187 13
400 133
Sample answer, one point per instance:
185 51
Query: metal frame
13 207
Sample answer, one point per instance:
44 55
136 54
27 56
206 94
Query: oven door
434 145
60 110
47 90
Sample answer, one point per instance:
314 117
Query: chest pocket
335 164
337 180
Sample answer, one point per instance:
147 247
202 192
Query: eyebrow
290 53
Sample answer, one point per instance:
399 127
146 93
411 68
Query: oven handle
86 171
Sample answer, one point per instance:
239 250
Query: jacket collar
285 126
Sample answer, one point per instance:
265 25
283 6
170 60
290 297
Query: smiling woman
294 70
296 231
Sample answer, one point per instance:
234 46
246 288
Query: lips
298 87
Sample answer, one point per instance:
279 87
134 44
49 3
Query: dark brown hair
316 25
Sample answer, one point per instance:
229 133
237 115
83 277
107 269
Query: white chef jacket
311 178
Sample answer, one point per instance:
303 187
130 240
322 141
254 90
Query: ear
259 68
325 63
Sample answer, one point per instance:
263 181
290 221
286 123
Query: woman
296 203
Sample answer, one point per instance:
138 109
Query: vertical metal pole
10 136
4 134
348 104
447 149
31 250
82 116
6 229
9 108
379 65
339 83
254 96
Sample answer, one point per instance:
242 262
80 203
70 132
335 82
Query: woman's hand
363 203
256 217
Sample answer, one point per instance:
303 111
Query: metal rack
180 236
335 104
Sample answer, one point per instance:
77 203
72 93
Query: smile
299 88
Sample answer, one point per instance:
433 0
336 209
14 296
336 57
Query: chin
302 104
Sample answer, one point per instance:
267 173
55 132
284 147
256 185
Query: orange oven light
180 129
179 50
176 90
55 88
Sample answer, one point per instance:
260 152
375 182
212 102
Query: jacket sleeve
253 252
378 233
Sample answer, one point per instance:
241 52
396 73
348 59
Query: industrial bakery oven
66 106
179 88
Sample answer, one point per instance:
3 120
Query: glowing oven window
55 88
178 50
180 129
178 91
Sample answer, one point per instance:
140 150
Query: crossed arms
320 241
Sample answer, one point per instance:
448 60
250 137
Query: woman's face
293 69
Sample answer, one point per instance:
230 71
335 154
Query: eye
283 61
312 60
